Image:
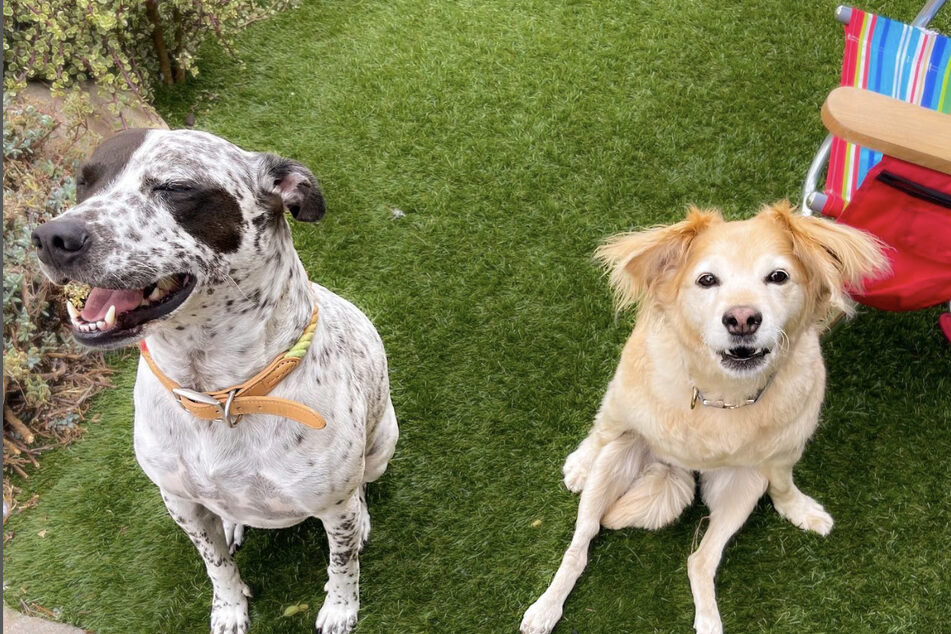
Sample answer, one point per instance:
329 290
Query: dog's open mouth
743 357
108 315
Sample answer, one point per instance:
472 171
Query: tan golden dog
722 375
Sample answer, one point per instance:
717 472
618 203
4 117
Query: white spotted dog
182 237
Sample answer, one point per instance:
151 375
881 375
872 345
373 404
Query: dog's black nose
742 320
60 242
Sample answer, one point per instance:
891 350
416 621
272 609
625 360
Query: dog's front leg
229 606
580 461
611 474
793 504
345 531
730 494
610 423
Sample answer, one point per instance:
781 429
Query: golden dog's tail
656 498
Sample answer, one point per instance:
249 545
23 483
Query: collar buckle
224 412
227 416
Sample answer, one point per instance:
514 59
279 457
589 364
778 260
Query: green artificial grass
515 136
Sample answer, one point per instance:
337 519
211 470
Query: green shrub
34 189
46 377
121 46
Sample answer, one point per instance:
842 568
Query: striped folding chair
895 102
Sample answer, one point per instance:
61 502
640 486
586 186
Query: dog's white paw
540 618
336 617
806 513
707 623
576 469
230 616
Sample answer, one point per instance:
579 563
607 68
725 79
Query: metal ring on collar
226 414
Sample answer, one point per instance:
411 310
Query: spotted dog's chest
266 472
270 471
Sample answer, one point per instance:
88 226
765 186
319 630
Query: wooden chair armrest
903 130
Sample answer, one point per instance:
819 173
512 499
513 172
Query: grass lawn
515 136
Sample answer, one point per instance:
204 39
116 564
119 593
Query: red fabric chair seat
909 208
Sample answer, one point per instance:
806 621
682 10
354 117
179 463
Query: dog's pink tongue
100 299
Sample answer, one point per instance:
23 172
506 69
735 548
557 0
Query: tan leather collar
230 403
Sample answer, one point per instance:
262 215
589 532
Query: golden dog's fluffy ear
836 257
638 262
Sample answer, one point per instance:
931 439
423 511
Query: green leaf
291 610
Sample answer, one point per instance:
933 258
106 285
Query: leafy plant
122 46
46 378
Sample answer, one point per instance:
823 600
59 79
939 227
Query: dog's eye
172 188
707 280
778 276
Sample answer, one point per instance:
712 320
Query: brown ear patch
107 161
294 185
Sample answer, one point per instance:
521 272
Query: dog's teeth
73 312
110 320
157 293
100 325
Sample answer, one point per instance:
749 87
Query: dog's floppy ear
837 257
638 262
295 185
